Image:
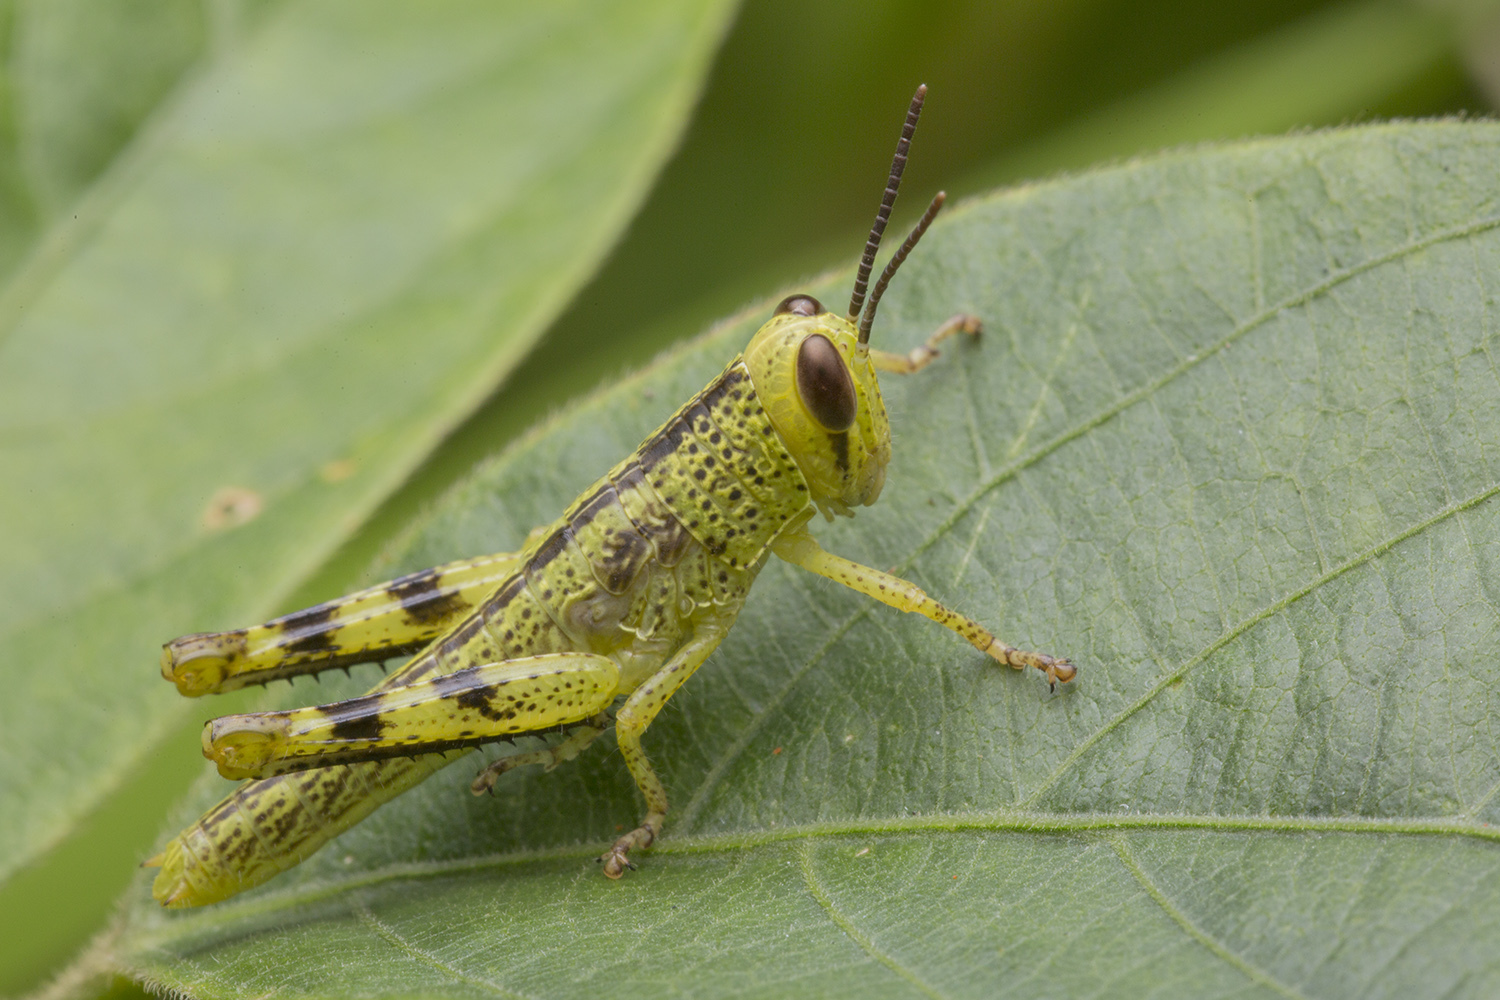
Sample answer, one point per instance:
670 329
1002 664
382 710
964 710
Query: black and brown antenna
868 319
872 245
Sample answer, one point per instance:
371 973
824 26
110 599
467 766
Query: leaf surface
1232 442
320 253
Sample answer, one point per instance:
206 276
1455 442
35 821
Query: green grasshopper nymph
596 622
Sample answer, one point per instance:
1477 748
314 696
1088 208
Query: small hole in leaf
230 507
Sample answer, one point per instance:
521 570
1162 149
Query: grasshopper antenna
868 319
872 245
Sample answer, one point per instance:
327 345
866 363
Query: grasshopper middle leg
633 718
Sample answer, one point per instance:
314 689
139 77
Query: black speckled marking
615 548
555 545
665 442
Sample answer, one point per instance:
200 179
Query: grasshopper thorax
818 386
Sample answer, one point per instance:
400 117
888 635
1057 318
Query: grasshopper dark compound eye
824 383
799 305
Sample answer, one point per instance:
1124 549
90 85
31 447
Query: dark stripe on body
840 443
665 441
666 532
554 545
609 541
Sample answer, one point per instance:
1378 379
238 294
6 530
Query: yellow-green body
598 620
654 559
668 541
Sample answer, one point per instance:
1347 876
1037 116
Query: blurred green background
777 178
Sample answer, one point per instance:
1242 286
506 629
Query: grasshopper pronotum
622 597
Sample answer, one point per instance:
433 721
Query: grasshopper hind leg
435 714
390 619
636 714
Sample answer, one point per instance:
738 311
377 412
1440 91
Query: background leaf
1018 88
1230 442
234 333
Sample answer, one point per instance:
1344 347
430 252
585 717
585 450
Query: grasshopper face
818 385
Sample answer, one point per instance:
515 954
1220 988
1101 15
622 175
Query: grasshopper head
814 374
817 384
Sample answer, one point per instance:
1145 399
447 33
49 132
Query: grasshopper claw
615 862
1059 670
615 859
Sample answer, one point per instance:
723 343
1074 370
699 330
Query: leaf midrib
998 821
688 815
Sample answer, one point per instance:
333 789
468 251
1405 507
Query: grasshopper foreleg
462 709
633 718
802 549
920 357
578 740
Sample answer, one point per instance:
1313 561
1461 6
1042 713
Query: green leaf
1232 441
320 253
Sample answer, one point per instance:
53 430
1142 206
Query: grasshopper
594 624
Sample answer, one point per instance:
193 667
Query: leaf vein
1244 626
717 770
395 939
1192 361
820 895
1215 947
